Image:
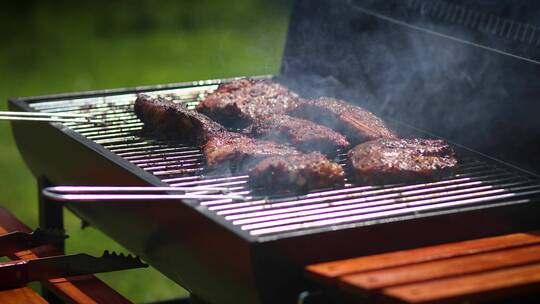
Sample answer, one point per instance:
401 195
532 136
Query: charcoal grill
253 251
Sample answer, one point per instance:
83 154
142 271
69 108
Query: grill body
254 251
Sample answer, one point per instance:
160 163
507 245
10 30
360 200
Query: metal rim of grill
480 182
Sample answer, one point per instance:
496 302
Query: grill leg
51 216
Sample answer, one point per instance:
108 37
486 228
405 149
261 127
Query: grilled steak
242 102
357 124
241 152
303 134
164 118
298 172
401 160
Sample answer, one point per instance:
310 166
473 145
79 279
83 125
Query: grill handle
118 194
50 117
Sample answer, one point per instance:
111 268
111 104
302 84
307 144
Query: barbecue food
221 147
357 124
305 135
242 102
298 172
240 151
401 160
166 119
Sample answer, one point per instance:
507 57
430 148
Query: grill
484 193
479 183
252 251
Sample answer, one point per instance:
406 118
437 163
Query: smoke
457 72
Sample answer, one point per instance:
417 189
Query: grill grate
479 182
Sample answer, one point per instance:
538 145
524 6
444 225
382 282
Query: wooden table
474 271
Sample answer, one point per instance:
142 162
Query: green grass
63 47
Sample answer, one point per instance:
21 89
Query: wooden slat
327 273
372 280
76 290
21 295
480 287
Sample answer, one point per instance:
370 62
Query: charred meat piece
170 120
240 103
402 160
297 173
164 118
223 147
241 152
305 135
357 124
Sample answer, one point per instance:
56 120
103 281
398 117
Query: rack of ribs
401 160
221 147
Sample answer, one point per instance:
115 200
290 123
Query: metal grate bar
359 205
458 202
371 194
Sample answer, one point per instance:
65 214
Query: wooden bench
476 270
81 289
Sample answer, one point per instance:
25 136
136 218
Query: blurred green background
64 46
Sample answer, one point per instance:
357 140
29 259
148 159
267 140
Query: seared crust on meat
297 173
164 118
402 160
240 103
305 171
305 135
356 123
241 151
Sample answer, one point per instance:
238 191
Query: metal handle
96 193
49 117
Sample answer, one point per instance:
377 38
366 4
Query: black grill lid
465 70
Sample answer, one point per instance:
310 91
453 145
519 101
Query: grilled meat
357 124
170 120
401 160
242 102
223 147
164 118
305 135
240 151
298 172
262 105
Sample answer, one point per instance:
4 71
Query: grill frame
264 256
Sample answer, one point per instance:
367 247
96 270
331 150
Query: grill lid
464 70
